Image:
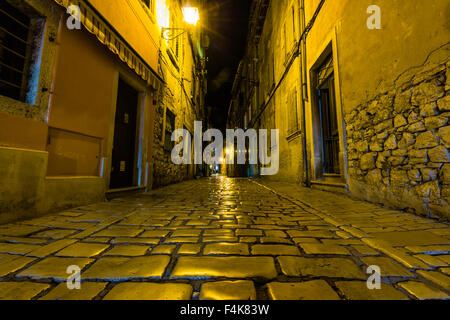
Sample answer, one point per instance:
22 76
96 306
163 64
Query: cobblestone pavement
222 238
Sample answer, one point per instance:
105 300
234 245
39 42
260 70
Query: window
326 98
284 43
187 139
272 70
149 4
288 35
169 129
16 53
292 112
269 77
294 29
193 85
175 42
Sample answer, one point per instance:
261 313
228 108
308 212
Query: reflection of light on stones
184 241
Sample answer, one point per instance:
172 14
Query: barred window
174 43
15 51
193 85
294 29
292 112
170 128
149 4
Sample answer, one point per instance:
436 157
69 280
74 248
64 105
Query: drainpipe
304 90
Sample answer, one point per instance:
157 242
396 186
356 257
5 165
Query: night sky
228 24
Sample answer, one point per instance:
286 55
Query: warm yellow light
221 160
162 14
191 15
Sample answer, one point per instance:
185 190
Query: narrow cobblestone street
222 238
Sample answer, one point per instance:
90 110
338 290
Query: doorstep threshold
330 184
113 191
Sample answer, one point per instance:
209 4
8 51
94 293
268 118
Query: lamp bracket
172 33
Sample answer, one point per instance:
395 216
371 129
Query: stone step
330 186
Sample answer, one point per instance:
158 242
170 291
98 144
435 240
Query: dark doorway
123 155
328 118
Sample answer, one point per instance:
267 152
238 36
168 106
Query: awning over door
95 24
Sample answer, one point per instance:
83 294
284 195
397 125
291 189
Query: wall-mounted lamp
191 16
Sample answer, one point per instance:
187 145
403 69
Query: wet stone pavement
222 238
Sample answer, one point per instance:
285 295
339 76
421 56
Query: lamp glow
162 14
191 15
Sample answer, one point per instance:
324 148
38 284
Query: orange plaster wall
134 25
83 85
80 111
72 154
82 96
18 132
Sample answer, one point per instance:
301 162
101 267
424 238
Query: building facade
359 92
181 101
80 88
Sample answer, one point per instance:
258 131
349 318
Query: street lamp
191 16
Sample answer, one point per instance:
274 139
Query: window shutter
292 112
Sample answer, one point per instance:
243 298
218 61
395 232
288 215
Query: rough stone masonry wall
164 171
398 145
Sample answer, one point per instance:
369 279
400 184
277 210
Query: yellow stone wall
281 33
391 89
273 107
180 71
404 63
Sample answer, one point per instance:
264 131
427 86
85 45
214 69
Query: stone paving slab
120 269
423 291
10 264
357 290
228 267
53 268
320 267
21 290
228 290
150 291
87 291
86 250
221 238
309 290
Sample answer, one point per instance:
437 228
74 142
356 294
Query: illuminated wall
390 87
57 153
183 92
